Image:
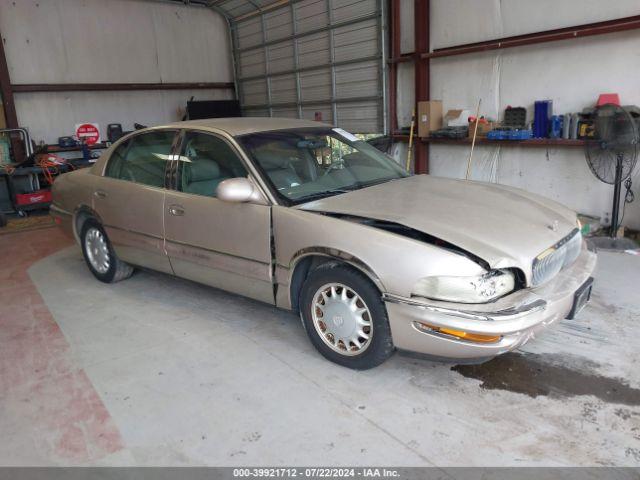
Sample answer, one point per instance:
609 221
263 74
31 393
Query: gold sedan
310 218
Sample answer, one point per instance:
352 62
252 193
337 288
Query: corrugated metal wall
571 73
115 41
313 56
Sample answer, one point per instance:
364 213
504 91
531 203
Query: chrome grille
551 261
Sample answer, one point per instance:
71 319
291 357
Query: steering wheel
334 166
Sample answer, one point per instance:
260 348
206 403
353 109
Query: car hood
502 225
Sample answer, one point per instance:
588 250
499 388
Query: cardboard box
483 128
429 117
456 118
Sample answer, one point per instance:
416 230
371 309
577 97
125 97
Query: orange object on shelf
50 163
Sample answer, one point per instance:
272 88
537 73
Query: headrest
272 161
202 169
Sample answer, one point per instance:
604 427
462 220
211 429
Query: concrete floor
160 371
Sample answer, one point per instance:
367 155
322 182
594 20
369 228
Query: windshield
307 164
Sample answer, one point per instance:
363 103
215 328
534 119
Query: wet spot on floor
532 374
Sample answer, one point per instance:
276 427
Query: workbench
25 180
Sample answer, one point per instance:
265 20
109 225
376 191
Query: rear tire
345 318
100 256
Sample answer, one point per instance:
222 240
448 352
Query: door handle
100 194
176 210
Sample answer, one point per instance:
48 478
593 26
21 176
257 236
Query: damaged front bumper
462 331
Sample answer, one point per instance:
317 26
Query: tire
114 268
353 293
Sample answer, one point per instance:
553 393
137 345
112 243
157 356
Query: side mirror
239 190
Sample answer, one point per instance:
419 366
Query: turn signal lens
471 337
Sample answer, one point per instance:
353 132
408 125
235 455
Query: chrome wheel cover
95 244
342 319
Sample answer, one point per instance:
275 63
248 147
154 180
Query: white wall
113 41
571 73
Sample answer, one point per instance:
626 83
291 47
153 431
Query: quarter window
142 159
206 160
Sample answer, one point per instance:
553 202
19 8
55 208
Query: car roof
235 126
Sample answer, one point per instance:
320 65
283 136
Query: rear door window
143 159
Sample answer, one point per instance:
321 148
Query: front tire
100 256
344 316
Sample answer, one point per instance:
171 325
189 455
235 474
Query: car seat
202 177
143 168
279 170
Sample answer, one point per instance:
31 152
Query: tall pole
6 90
616 197
421 33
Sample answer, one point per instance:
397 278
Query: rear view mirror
312 144
239 190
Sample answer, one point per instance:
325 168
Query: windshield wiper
323 194
359 186
351 188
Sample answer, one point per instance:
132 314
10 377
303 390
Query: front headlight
476 289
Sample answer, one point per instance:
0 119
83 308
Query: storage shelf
532 142
75 148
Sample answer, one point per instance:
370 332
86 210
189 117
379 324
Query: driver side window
205 161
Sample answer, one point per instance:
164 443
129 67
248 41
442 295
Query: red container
605 98
41 196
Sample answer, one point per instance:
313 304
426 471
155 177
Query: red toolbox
40 196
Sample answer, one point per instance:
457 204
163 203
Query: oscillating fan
612 152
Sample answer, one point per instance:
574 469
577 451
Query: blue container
497 135
542 118
556 126
520 134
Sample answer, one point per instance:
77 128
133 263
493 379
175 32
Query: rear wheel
345 318
99 255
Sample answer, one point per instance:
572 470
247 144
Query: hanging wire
629 197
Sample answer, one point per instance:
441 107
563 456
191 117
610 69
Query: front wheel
345 318
99 255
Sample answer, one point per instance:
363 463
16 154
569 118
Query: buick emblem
337 320
554 226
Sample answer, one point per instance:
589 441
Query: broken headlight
476 289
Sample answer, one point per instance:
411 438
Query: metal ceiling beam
261 10
109 87
579 31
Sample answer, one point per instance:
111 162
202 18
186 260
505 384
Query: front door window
205 161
